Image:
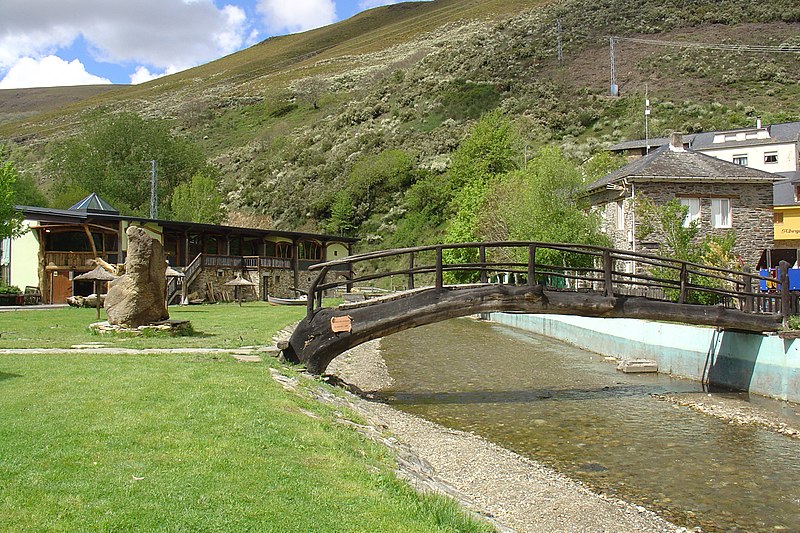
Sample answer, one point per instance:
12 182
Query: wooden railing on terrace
563 267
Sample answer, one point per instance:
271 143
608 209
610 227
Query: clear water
570 409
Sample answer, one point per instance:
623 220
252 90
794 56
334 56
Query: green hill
288 120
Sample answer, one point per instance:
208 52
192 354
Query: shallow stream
572 410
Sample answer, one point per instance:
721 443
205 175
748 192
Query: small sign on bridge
342 324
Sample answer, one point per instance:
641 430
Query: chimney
758 122
676 142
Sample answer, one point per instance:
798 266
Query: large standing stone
138 297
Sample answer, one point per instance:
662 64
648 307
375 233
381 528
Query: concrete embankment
762 364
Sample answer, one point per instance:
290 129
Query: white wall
25 259
787 156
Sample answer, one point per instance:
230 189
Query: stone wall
280 282
751 208
751 212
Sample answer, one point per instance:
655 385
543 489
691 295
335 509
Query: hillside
287 121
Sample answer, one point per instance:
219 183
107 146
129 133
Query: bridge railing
562 267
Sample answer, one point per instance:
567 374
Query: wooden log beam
315 345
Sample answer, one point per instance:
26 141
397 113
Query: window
693 214
740 159
777 218
771 157
797 193
720 212
620 216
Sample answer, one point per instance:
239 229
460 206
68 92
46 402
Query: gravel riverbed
511 491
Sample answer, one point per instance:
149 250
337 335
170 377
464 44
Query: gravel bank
516 493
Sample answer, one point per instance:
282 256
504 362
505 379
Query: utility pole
559 43
614 89
153 193
646 120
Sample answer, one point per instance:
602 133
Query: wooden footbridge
446 281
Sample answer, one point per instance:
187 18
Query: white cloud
369 4
297 15
50 71
158 33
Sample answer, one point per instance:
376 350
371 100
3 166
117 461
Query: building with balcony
63 243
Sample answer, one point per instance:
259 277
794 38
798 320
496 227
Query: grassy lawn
186 442
221 325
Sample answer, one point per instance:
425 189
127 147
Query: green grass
223 325
188 443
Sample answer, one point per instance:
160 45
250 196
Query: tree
541 203
388 171
10 218
111 156
490 151
681 241
198 201
342 211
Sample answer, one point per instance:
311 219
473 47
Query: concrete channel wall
761 364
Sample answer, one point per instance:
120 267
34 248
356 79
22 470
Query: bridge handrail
685 271
564 247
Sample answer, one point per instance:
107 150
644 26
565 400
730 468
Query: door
60 286
264 287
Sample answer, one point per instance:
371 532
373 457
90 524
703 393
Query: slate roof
96 209
787 132
778 133
664 164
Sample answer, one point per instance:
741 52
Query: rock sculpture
137 298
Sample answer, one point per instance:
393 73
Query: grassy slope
279 58
187 443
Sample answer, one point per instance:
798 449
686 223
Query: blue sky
46 43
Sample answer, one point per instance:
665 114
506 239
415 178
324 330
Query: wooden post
439 273
748 290
411 271
531 265
608 273
482 261
786 297
684 281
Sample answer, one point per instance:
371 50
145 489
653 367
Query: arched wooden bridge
446 281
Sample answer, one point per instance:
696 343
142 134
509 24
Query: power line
753 48
786 49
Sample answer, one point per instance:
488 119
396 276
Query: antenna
646 117
559 43
153 193
614 88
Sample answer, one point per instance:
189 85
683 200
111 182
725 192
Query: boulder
138 298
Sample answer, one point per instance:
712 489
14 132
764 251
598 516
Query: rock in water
138 297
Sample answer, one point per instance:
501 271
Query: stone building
63 243
720 195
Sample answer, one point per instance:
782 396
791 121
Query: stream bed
570 409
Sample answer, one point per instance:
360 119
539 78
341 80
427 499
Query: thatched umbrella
236 283
98 275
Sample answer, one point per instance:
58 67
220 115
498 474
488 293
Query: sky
46 43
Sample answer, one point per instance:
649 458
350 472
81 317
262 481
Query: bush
9 289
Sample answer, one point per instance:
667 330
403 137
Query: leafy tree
387 171
490 151
25 191
681 241
541 203
601 164
111 156
10 218
198 201
342 211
